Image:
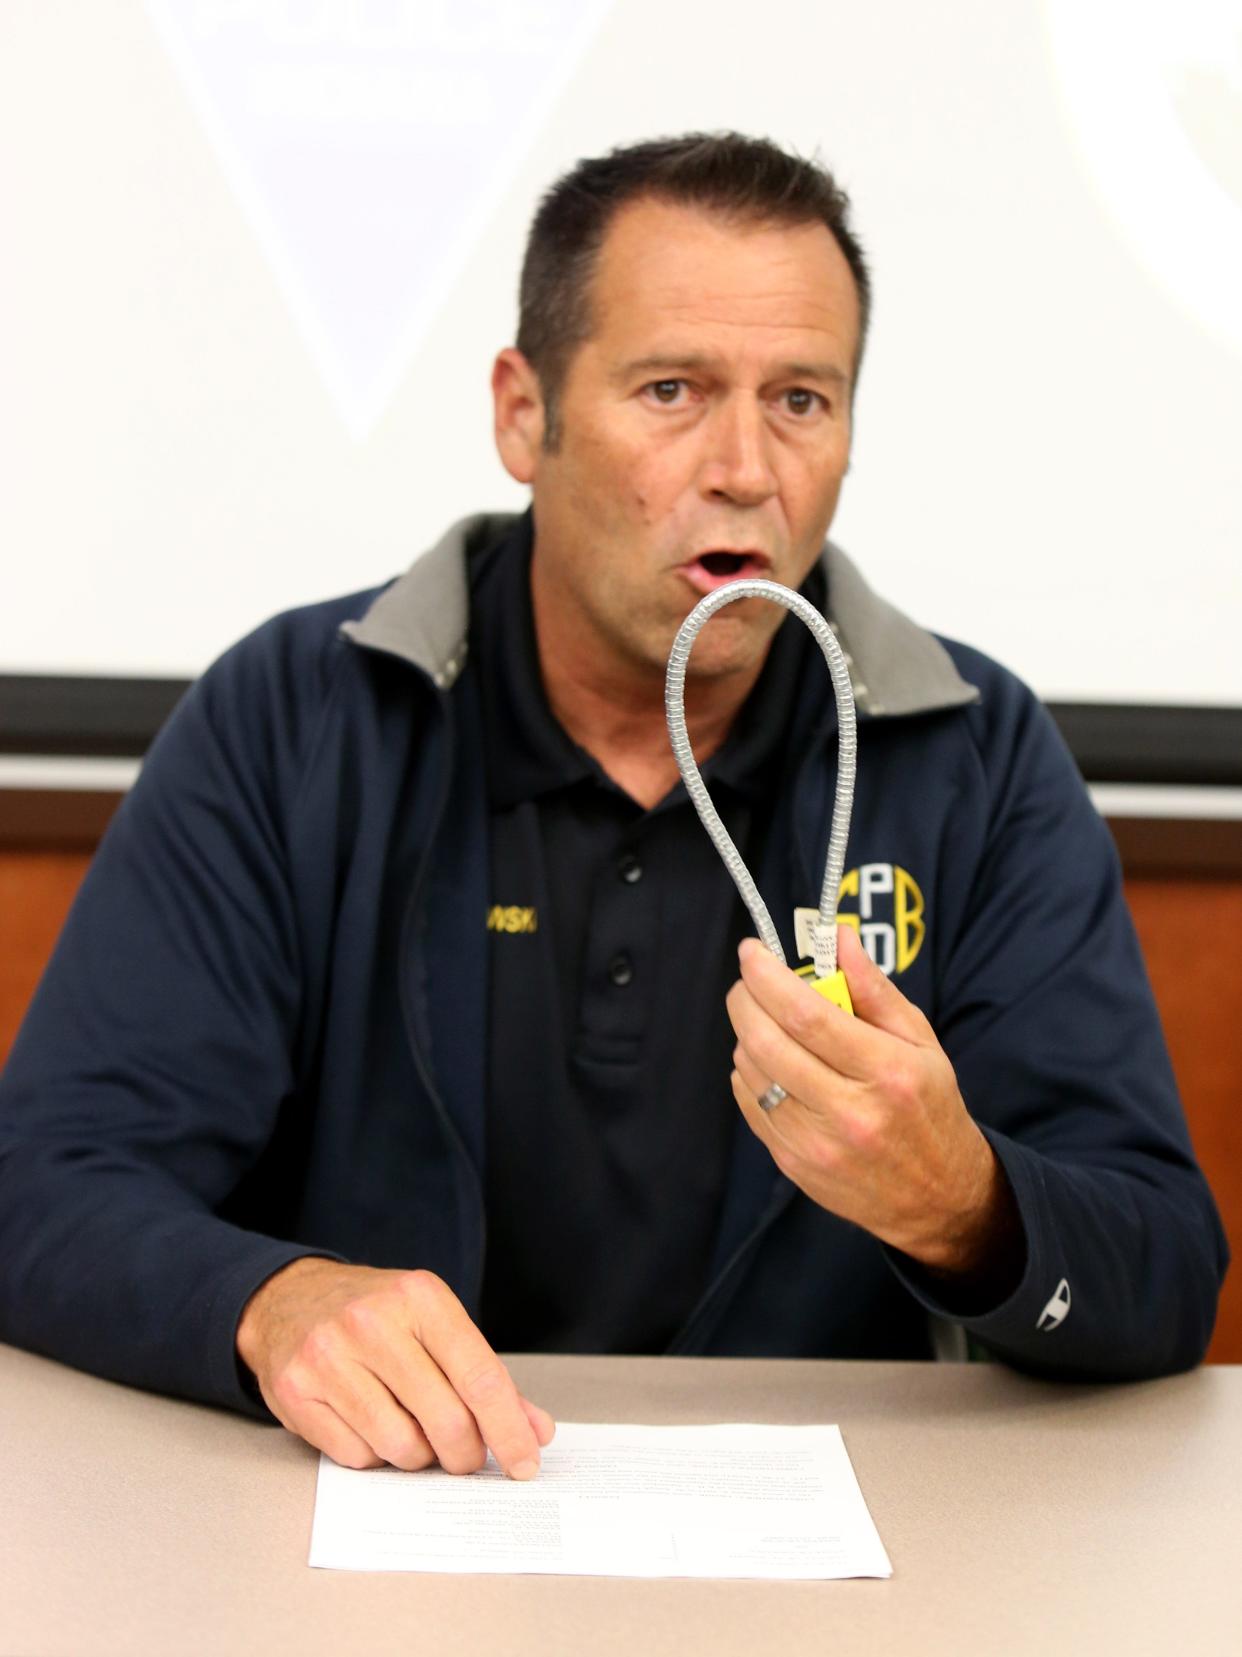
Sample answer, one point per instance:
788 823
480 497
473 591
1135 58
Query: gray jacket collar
895 666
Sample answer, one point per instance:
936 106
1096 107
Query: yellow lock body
834 989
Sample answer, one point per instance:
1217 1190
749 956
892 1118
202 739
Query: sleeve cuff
231 1382
1016 1314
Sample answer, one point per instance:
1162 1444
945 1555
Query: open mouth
713 569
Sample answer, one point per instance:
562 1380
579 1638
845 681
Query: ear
519 417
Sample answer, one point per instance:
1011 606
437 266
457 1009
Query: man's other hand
874 1127
373 1367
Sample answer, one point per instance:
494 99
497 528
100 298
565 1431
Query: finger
877 1000
849 1045
323 1429
442 1414
793 1129
540 1420
761 1124
748 1103
368 1407
756 1081
478 1378
777 1055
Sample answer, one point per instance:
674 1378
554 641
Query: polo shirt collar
897 667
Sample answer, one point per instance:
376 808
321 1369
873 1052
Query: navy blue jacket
262 1031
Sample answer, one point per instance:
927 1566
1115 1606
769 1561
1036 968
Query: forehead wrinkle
821 330
665 272
675 339
700 299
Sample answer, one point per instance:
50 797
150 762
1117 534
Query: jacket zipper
421 1063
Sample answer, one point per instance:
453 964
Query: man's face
705 431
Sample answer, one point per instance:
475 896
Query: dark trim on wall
1118 742
80 717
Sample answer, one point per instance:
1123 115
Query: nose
739 467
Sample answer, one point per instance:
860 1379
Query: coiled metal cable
824 930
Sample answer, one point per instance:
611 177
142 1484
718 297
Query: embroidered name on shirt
510 917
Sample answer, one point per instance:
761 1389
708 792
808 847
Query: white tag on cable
804 921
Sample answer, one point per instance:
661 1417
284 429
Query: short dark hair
750 179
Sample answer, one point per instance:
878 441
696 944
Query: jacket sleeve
1044 1008
147 1076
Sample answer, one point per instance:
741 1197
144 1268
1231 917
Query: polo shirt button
621 970
629 868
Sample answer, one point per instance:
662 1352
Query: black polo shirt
612 941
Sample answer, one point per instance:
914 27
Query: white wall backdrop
258 255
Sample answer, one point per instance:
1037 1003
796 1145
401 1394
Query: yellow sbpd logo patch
888 913
884 905
511 917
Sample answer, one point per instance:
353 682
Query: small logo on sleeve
511 917
1056 1311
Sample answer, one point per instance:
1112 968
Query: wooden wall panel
1191 931
36 889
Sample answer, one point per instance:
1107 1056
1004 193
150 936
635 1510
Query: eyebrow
670 364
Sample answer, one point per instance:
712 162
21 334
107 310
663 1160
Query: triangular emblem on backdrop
368 146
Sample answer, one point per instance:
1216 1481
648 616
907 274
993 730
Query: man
287 1126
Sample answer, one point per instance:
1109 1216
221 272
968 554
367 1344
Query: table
1020 1516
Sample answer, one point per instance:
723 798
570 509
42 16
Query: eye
665 391
801 402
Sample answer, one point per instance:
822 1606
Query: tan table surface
1020 1516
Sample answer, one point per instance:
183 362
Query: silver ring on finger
772 1096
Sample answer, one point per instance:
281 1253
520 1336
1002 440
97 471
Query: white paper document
722 1501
